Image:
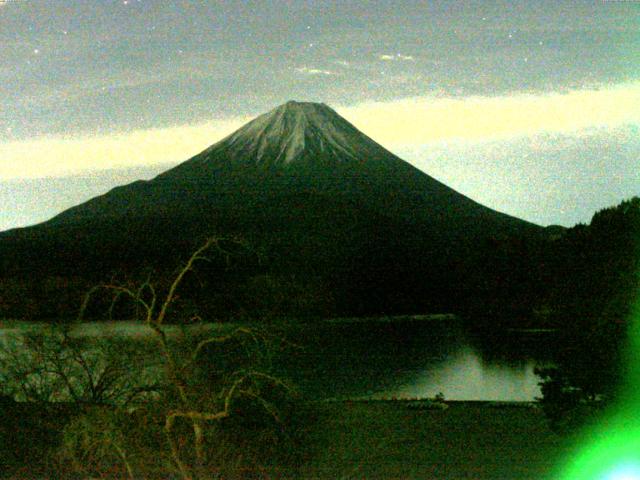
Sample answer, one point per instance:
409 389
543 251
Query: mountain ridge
297 146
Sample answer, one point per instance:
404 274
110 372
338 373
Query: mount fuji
301 184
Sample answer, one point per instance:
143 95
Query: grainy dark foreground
372 440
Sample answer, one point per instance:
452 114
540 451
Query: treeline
313 261
237 283
596 283
322 266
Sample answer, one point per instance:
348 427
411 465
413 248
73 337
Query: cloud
61 156
313 71
428 119
397 56
396 124
569 176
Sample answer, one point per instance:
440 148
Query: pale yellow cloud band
427 120
412 121
59 156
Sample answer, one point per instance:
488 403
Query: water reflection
416 359
465 376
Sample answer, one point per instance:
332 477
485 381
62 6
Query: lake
421 358
392 359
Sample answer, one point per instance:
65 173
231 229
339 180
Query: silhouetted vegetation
341 259
596 281
191 401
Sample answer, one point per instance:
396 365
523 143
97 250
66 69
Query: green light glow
611 449
625 472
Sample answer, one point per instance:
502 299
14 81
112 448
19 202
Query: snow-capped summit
282 135
302 133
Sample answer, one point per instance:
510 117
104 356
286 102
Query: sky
531 108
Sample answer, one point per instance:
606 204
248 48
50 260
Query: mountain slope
301 184
295 148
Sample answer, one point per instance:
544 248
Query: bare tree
190 406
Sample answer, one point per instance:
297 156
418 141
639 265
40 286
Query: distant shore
433 317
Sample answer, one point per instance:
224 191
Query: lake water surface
402 359
409 359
